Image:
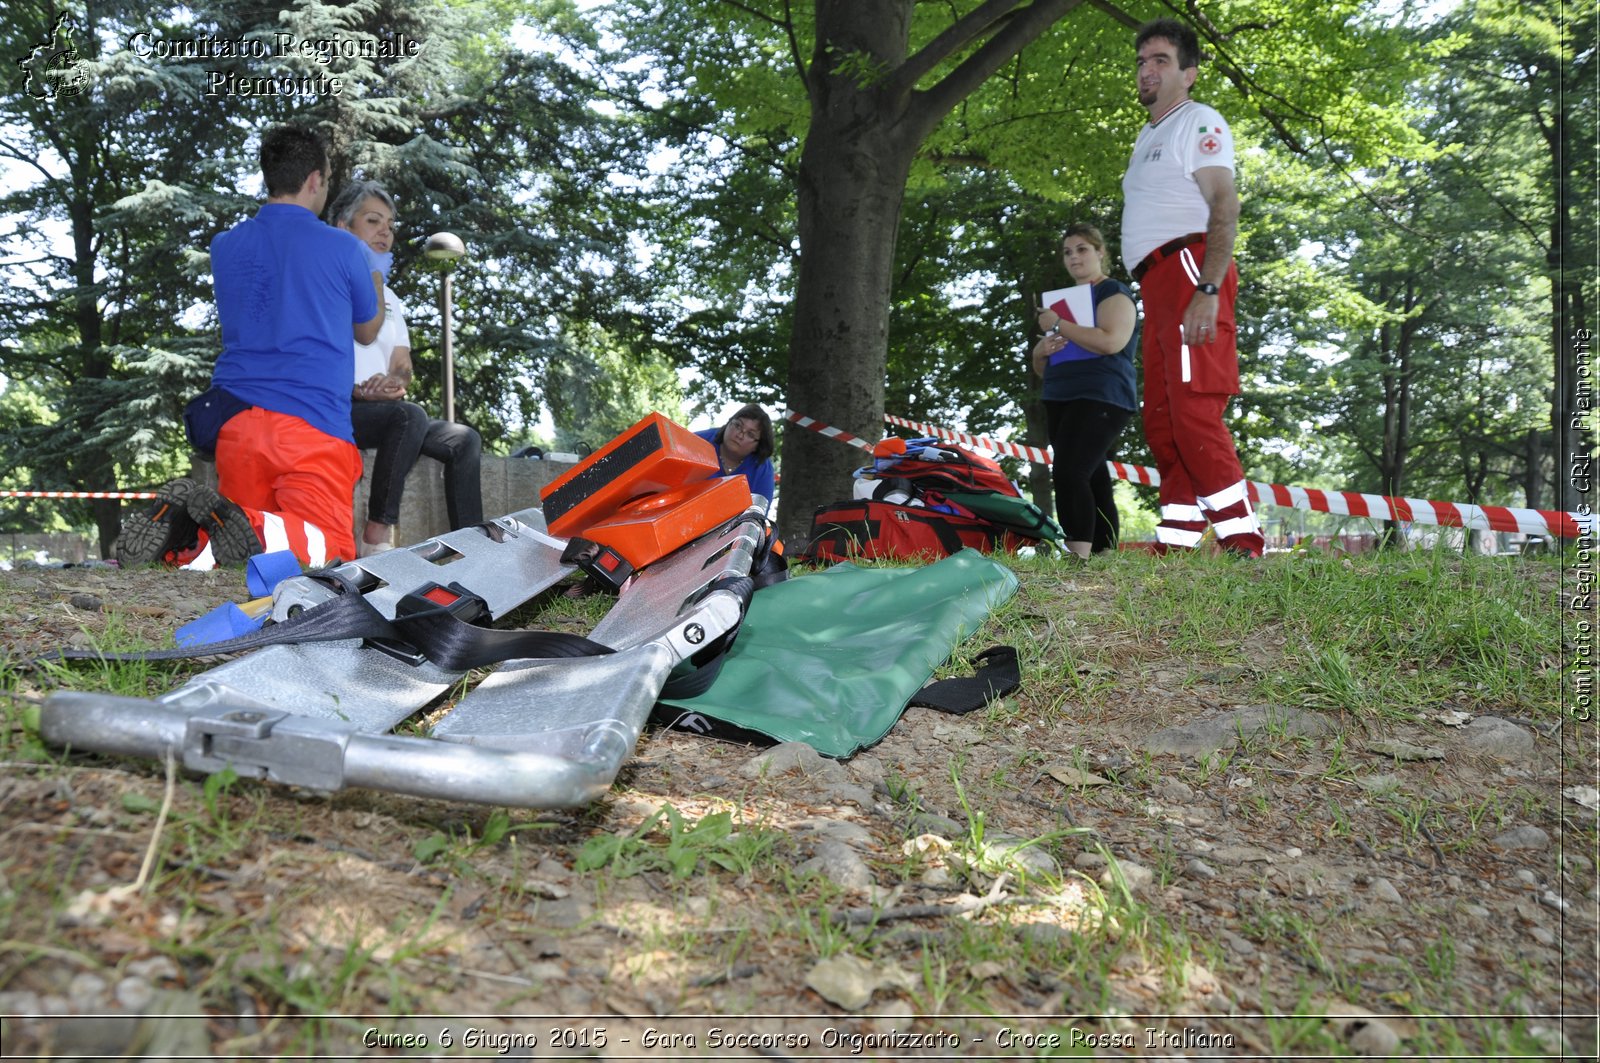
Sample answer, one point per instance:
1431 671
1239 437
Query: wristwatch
1206 288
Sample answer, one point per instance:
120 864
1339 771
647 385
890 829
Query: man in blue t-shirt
293 295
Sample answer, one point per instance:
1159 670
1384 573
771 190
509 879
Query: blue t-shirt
757 471
289 290
1107 378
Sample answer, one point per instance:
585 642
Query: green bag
1008 511
832 658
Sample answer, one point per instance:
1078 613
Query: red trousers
1187 388
294 482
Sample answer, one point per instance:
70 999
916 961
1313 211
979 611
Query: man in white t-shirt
1180 216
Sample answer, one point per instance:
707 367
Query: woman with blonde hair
1088 393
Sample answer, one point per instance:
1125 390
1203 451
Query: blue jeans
399 431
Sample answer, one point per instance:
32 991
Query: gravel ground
1312 862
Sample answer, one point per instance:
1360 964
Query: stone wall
509 484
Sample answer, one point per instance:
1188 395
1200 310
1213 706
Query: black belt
1166 250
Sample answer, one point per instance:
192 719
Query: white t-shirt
374 357
1160 198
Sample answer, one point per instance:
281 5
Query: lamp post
445 248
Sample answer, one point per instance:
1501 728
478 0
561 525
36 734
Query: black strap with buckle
598 561
434 622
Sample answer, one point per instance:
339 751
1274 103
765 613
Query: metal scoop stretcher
536 733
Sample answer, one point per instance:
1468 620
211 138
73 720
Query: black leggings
1082 433
401 430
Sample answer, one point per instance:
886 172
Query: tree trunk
1397 375
871 109
1387 444
108 523
1532 469
1040 484
94 468
1568 340
852 180
851 183
1475 474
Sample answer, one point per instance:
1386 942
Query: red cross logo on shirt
1210 144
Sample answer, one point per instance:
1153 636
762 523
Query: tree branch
759 15
1021 29
641 106
1116 13
794 49
956 37
963 906
28 160
786 24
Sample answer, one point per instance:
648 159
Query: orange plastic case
652 527
649 491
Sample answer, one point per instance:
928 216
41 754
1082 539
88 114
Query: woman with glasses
1089 397
744 448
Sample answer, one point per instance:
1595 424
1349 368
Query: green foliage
110 321
1372 358
597 392
627 176
440 846
1055 123
1038 145
98 202
214 787
689 845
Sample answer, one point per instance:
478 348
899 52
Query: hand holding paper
1075 304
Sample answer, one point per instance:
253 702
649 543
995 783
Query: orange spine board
654 456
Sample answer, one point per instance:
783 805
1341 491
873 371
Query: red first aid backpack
869 528
932 500
940 465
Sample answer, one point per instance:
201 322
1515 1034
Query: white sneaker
369 549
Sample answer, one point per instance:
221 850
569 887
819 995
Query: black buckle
453 599
598 561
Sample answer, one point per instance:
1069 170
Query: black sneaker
163 526
233 541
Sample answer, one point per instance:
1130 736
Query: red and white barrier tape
1426 511
78 494
1139 474
1351 503
825 429
999 446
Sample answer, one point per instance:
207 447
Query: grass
678 899
1385 635
684 846
134 679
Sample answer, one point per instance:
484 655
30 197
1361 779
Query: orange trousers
295 483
